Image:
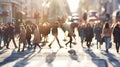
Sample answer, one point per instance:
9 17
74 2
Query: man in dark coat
116 35
11 31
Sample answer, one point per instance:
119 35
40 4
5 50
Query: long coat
98 32
22 35
89 34
116 35
36 36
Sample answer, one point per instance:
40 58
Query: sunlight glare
73 5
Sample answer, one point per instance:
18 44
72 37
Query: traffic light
36 15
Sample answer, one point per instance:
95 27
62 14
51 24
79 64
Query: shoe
61 46
117 51
49 46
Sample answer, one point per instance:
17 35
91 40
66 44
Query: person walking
55 34
98 32
28 35
37 38
81 32
11 32
22 37
89 35
106 33
116 36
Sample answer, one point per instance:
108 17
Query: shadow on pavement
96 60
2 51
73 55
112 59
24 62
13 57
50 58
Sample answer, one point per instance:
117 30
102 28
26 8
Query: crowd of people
103 32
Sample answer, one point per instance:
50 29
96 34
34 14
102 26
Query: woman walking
81 31
89 35
37 38
106 33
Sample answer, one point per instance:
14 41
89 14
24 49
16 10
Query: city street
56 57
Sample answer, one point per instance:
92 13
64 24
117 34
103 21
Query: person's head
117 25
107 25
88 25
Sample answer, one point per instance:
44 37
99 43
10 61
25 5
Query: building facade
8 8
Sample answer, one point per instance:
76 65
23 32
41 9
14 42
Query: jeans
107 42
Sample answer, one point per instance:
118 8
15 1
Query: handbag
102 40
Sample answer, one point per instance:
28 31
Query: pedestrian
88 35
37 38
22 37
0 35
116 36
55 34
98 32
5 34
106 33
70 35
81 32
28 35
11 32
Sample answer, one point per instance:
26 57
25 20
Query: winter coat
81 32
89 34
98 31
36 36
22 35
106 32
116 34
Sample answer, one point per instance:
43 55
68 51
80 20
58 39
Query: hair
106 25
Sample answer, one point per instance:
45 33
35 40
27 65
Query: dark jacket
116 34
89 34
98 32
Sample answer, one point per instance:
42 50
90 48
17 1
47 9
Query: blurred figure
5 34
28 35
116 36
55 34
11 33
81 31
106 33
37 38
98 32
0 35
22 37
89 35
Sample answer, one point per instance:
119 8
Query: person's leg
58 42
117 47
38 45
35 46
107 41
23 46
8 41
0 41
29 43
13 39
19 47
51 43
82 38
